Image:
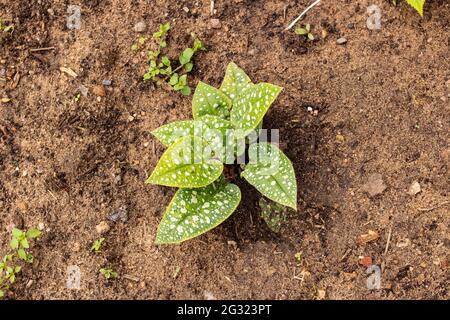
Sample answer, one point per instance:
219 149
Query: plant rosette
226 123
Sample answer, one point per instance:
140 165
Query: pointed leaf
187 163
193 212
272 173
251 106
235 81
208 100
417 4
33 233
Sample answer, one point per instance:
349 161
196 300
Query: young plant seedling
305 32
9 267
163 70
97 245
196 154
139 43
109 274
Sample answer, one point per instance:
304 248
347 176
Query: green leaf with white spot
208 127
235 81
193 212
417 4
251 106
272 173
208 100
187 163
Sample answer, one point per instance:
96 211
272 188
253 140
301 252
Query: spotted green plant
223 121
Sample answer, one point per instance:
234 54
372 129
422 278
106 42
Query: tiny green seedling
298 258
139 43
224 121
97 245
305 32
5 28
77 97
109 274
163 70
19 244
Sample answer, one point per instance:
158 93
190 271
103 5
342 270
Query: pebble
374 185
29 283
121 214
339 138
140 26
22 205
209 295
321 294
414 188
99 90
41 226
341 41
106 82
186 9
215 23
403 243
75 247
102 227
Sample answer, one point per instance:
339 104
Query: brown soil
382 107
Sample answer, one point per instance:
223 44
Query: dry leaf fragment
368 237
68 71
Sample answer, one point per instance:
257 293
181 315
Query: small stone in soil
106 82
341 41
215 24
99 90
374 185
83 90
186 9
414 188
140 26
102 227
121 214
22 205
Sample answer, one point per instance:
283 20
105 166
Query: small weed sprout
305 32
97 245
163 70
109 274
9 268
6 28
